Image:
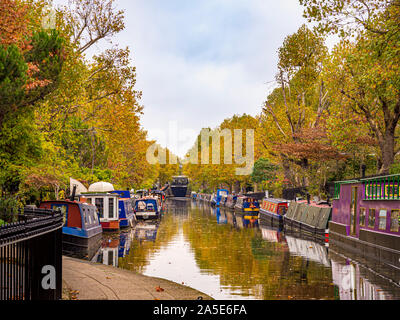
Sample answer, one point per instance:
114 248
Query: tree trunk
387 148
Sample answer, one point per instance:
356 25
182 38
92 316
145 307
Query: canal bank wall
83 280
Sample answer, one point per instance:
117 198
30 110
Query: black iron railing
31 256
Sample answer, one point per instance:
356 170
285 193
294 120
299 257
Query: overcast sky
202 61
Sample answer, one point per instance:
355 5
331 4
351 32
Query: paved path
83 280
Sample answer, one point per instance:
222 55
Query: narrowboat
147 208
365 218
231 201
247 205
160 195
272 211
220 194
107 203
223 201
142 193
180 187
127 217
309 218
214 200
82 231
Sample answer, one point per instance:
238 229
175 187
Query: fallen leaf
159 289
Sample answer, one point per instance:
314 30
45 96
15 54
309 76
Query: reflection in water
113 247
357 281
230 256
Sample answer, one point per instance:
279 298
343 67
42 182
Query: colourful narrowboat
247 205
231 201
224 199
147 208
366 217
221 194
272 211
125 209
160 195
100 194
82 231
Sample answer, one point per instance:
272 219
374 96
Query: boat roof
99 194
314 204
147 198
369 179
273 200
68 202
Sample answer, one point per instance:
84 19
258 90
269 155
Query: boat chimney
73 194
308 198
364 170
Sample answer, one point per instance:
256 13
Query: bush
9 210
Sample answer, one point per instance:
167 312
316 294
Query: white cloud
199 62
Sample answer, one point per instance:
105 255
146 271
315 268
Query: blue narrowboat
82 230
126 215
247 205
147 208
231 201
220 194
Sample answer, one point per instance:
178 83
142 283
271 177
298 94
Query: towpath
84 280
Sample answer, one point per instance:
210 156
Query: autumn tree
293 118
365 78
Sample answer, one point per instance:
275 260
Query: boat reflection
114 247
177 207
221 216
246 221
272 234
146 232
308 249
355 280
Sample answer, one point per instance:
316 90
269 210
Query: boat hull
110 225
270 218
147 215
81 248
370 245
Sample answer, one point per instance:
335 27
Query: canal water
232 257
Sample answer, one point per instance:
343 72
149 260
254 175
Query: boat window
85 215
395 221
362 217
371 218
382 219
94 215
111 208
100 206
